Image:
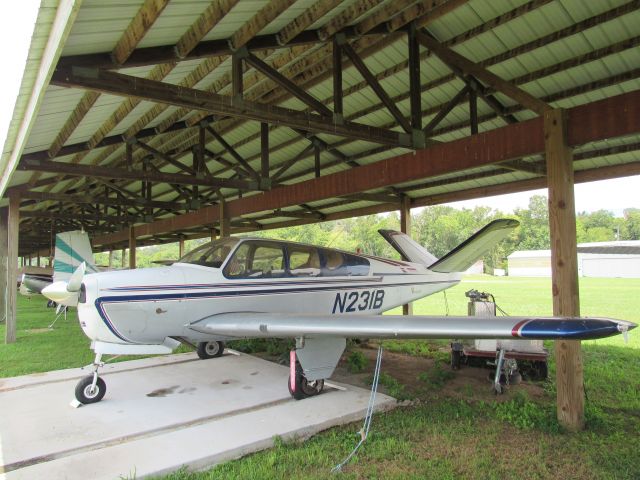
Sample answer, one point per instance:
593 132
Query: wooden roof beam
288 85
241 161
81 170
477 30
450 57
337 23
261 19
212 15
374 84
135 31
100 200
124 85
305 19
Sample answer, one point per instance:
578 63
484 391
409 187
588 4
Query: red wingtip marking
517 327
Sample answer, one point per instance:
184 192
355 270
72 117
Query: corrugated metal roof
543 67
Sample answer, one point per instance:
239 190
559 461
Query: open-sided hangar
158 120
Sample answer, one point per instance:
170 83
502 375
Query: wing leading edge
277 325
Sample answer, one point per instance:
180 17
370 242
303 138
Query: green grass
448 438
439 437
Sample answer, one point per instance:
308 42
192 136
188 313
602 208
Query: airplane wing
277 325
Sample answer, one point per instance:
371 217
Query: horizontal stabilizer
475 247
408 248
277 325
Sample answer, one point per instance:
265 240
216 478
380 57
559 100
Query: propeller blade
76 279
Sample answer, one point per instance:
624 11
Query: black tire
304 388
212 349
83 390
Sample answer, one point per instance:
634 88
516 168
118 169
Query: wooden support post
225 224
264 150
181 248
564 267
122 258
132 247
214 234
13 226
405 227
3 264
316 165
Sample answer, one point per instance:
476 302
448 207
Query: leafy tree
438 228
534 225
632 224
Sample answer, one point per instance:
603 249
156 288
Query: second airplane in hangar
249 288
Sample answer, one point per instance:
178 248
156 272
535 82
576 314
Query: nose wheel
87 392
91 389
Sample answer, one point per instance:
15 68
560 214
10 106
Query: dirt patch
38 330
414 373
466 383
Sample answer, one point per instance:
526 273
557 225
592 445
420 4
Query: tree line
439 229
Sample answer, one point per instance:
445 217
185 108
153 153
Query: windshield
212 254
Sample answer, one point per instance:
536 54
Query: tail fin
408 248
473 248
460 258
72 248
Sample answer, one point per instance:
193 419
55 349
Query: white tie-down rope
364 432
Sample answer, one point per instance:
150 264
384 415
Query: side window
304 261
343 264
268 261
334 261
356 265
256 260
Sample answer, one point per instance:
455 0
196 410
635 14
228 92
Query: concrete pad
158 415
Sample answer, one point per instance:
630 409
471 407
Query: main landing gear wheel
302 387
87 393
211 349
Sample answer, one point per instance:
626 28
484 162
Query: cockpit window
256 260
211 254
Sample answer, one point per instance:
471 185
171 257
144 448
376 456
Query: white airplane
247 288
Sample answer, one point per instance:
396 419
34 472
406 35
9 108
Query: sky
16 25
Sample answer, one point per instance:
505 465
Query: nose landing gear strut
91 389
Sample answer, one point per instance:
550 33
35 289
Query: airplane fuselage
155 303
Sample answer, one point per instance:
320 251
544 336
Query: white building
599 259
530 263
